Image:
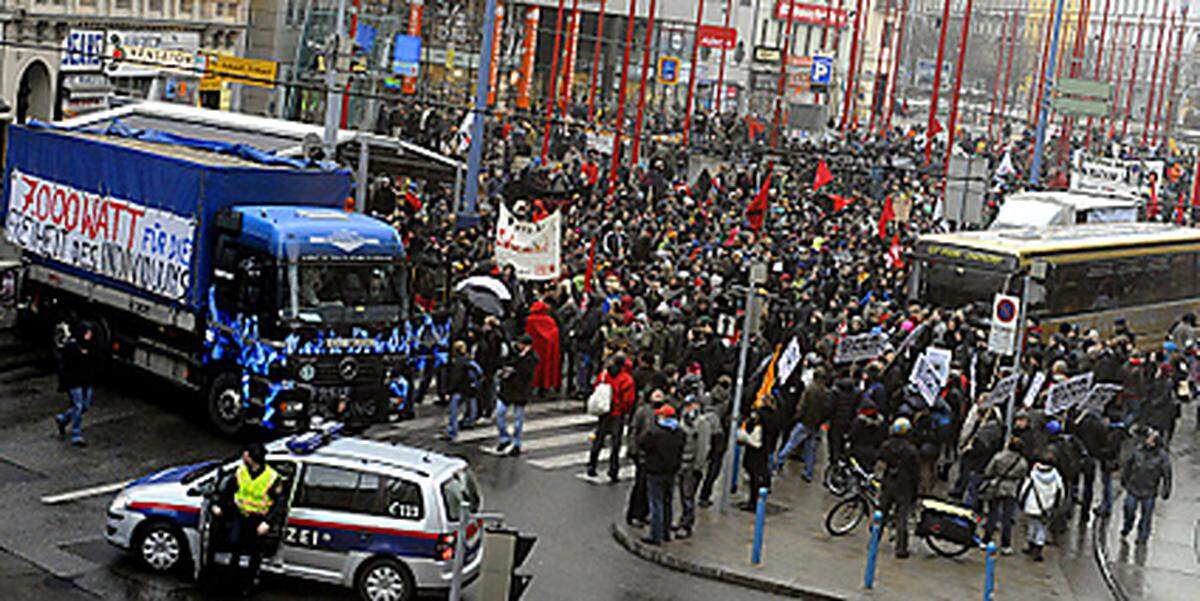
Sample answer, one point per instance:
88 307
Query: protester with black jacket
661 452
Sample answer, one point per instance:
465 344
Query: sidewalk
1168 567
801 560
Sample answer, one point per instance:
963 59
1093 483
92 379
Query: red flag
412 200
886 215
840 202
895 255
591 267
1196 184
1179 208
823 176
935 128
1152 210
756 211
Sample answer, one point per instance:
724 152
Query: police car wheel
225 408
385 580
161 547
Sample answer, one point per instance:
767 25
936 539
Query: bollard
460 551
873 550
733 472
760 518
989 579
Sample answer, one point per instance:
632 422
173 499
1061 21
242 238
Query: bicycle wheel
944 547
844 517
837 479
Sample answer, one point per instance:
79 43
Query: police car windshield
458 488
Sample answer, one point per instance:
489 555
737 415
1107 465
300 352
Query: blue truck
230 272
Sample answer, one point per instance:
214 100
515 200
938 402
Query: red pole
1041 78
895 75
721 73
1154 75
619 124
691 93
1111 128
1137 51
996 81
850 83
1081 26
550 102
964 37
641 109
596 62
569 54
858 64
1174 107
1166 67
876 108
1099 59
785 57
1012 44
937 82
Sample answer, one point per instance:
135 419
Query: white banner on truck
533 249
147 248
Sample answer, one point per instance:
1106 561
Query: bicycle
839 474
949 530
861 500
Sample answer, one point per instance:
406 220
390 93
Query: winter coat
1007 470
1146 472
624 393
643 420
661 447
697 430
900 474
517 384
845 404
1042 491
813 408
866 434
540 325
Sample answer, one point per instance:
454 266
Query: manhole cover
11 473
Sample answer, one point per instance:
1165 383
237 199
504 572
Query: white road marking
550 442
626 473
84 493
535 425
572 459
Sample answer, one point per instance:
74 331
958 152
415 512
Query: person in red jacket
613 423
540 326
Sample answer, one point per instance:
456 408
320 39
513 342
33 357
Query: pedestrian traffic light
504 551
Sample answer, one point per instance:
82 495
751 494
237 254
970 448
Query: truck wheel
385 580
225 408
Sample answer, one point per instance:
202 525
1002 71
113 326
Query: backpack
599 403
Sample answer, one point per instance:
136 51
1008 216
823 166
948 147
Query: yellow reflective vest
252 494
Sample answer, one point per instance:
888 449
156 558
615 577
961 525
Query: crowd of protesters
654 264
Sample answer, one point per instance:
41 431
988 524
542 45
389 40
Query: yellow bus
1088 275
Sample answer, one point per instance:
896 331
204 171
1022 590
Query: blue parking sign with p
822 70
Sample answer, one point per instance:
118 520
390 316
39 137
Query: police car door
328 520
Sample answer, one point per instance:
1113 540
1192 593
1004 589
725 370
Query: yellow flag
768 382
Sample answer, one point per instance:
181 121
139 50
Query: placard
1066 394
1039 379
1002 391
1100 396
860 347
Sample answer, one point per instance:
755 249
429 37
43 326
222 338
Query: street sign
1084 87
766 54
1005 312
1075 106
235 69
822 70
82 49
668 70
811 14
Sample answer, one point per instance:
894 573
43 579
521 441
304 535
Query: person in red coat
624 393
541 327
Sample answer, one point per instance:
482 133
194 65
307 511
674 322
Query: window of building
154 6
186 7
123 4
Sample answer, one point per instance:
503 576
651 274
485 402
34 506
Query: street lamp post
758 275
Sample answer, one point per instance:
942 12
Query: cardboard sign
1066 394
1035 387
927 379
788 360
1003 391
940 359
860 347
1100 396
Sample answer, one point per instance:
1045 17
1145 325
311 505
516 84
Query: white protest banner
533 249
926 378
860 347
1100 396
788 360
1003 391
1066 394
1034 388
149 249
940 358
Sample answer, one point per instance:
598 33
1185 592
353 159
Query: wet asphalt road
137 425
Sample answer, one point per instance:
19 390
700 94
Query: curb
713 571
1100 552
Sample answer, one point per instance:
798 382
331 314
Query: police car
377 517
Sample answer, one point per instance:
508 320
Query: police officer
247 503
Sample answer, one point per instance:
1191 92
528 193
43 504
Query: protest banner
1035 387
1066 394
925 376
533 249
1100 396
860 347
1002 391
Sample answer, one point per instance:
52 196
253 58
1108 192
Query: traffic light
504 551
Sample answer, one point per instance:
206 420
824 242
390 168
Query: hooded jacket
1144 471
1042 491
540 326
661 447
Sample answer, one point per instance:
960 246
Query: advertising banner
409 65
147 248
528 55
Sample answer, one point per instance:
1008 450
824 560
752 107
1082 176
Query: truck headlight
307 372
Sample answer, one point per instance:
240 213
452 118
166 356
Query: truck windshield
344 292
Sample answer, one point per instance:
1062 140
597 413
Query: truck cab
305 318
